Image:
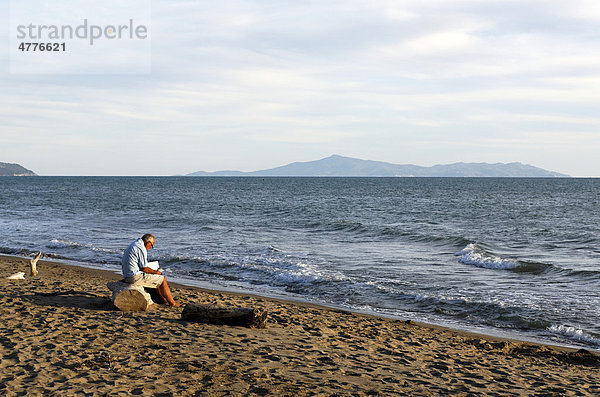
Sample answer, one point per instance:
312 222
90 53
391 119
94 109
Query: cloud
585 10
556 120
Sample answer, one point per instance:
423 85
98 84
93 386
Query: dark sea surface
511 257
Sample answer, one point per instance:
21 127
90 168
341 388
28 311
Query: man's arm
151 271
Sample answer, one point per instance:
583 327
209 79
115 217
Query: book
153 265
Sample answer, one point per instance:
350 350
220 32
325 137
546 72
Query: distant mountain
8 169
346 166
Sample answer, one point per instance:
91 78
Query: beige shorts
146 280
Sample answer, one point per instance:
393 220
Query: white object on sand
17 276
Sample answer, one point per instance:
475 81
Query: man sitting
136 270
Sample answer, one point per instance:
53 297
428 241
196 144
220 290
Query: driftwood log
211 314
33 262
129 297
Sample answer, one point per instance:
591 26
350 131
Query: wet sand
81 345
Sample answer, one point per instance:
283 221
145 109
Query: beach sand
81 345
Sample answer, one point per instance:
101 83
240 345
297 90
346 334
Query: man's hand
151 271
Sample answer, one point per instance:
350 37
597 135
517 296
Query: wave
57 243
388 231
476 255
289 273
490 311
62 244
23 252
337 225
16 251
269 266
573 334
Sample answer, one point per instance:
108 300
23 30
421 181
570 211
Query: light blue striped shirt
134 259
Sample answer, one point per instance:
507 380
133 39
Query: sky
249 85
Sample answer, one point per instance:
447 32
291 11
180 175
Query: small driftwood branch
211 314
33 263
129 297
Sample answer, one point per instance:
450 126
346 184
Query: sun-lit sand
81 345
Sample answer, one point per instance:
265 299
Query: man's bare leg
165 292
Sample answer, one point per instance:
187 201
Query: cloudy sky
250 85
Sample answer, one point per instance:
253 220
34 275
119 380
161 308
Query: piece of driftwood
33 262
211 314
129 297
17 276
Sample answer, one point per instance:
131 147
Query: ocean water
512 257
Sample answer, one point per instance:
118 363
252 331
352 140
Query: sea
512 257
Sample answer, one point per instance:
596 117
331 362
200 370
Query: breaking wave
57 243
66 244
574 334
476 255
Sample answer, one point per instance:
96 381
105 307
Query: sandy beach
81 345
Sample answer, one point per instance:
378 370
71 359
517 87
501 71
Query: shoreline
74 344
180 283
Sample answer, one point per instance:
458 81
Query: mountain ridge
13 169
340 166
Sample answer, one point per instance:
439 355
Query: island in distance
340 166
9 169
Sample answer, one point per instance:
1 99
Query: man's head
148 240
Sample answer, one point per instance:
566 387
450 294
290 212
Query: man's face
150 244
